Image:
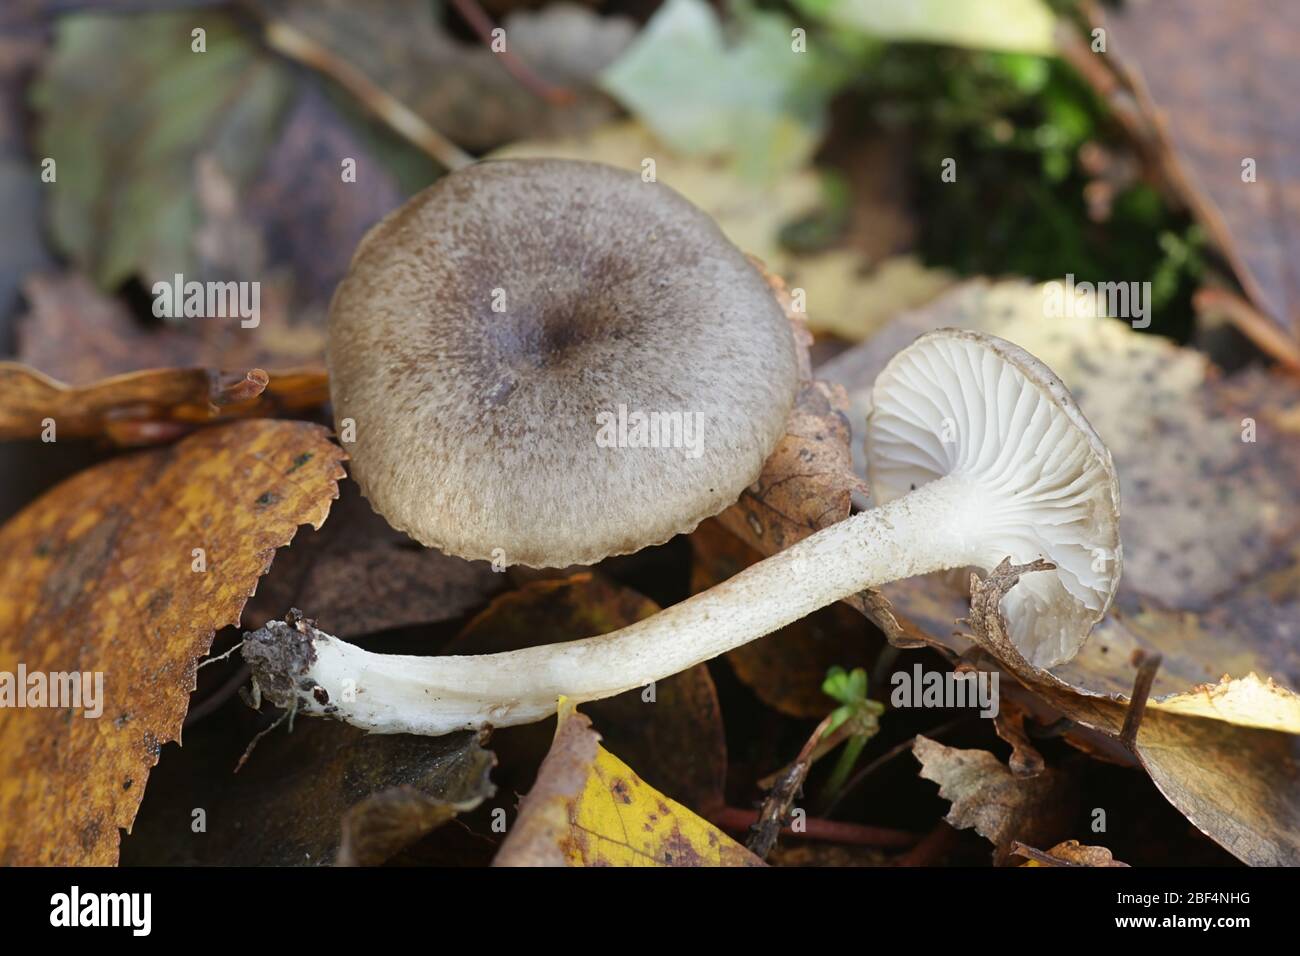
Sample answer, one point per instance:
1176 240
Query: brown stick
1147 665
296 45
931 848
528 78
736 820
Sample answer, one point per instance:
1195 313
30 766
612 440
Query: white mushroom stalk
1003 463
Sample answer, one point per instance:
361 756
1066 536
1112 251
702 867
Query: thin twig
738 820
775 811
528 78
218 697
293 43
286 715
931 848
1038 856
1147 665
219 657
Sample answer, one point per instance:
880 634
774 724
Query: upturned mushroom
977 452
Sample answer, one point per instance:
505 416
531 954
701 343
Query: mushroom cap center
488 330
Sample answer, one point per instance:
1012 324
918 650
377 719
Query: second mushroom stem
929 529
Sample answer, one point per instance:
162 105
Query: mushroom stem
929 529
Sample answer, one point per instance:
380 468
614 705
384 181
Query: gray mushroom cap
497 337
1042 483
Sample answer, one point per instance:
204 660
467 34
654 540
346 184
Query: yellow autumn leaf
588 808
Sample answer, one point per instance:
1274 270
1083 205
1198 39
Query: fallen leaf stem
739 820
291 42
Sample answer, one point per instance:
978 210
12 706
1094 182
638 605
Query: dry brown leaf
100 577
386 822
1209 122
325 793
1009 722
77 334
398 45
142 408
359 576
999 805
588 808
1074 853
806 483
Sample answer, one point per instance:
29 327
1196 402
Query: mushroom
977 452
496 335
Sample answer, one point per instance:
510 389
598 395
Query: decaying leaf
141 408
323 793
359 576
309 217
127 144
1236 784
1070 853
398 45
1225 136
999 805
1009 723
386 822
588 808
124 572
673 730
78 335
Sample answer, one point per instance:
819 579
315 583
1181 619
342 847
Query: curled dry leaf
675 736
588 808
89 366
124 572
325 793
142 408
1009 723
392 819
1000 806
1070 853
1224 138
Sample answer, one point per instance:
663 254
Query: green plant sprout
855 721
